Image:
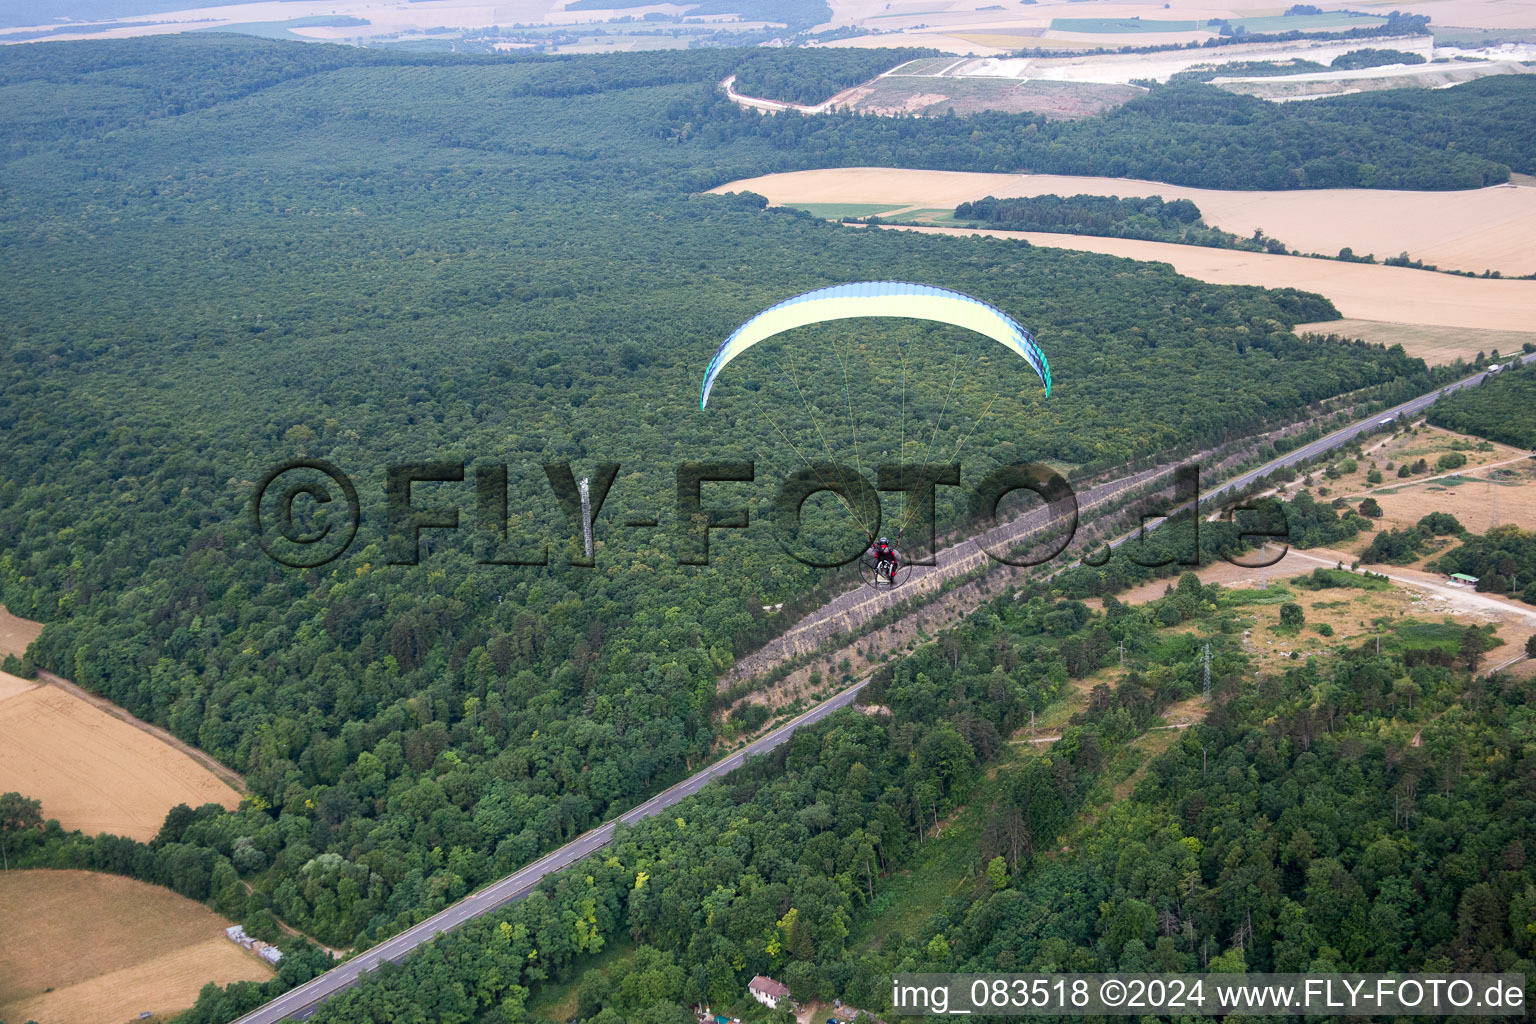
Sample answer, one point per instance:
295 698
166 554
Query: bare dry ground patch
1490 228
1283 88
92 770
1475 504
108 948
1497 484
898 94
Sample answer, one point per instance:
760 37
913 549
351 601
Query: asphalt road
848 611
301 1002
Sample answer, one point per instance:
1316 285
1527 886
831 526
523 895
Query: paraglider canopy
879 298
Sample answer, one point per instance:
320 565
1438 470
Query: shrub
1440 524
1451 460
751 715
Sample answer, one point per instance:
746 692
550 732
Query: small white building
767 991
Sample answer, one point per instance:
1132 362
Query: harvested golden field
11 685
1479 229
139 948
1358 290
1435 345
93 771
1467 13
979 26
16 634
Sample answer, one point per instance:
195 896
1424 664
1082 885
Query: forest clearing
1495 485
91 770
1481 229
142 949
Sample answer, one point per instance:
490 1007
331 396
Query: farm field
1434 345
91 770
16 633
969 26
1480 229
1360 291
142 949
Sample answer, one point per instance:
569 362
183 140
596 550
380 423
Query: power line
1206 697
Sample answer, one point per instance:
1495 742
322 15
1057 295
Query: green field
282 29
837 211
1117 25
1307 22
1411 634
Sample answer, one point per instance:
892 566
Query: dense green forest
1354 60
1300 827
1248 68
1499 409
1147 217
225 253
810 76
351 256
1183 134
